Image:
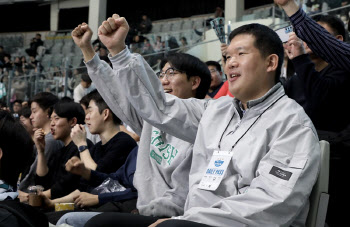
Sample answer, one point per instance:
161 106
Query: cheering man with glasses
163 161
175 81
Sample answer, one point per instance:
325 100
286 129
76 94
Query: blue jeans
76 219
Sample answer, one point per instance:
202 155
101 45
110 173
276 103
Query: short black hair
25 112
102 105
336 24
17 147
45 100
66 99
192 66
18 100
85 77
266 41
214 63
70 110
85 100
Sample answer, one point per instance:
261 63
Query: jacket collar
266 100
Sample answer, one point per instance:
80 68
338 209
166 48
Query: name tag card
216 170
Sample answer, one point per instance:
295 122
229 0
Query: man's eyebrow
240 48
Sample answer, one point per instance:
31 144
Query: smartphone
283 33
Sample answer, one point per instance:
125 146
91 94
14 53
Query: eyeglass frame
161 74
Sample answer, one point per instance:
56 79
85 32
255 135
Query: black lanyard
249 126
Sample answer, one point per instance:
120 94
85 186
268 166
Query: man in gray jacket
163 161
255 157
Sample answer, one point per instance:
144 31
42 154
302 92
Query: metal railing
24 87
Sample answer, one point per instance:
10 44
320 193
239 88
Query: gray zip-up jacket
276 153
163 161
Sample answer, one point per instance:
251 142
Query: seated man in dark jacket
317 84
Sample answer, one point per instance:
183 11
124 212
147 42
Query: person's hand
158 222
113 32
23 197
85 199
78 135
82 36
39 140
75 166
289 6
294 47
47 202
223 48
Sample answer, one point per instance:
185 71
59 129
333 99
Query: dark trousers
112 219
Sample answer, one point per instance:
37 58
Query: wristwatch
82 148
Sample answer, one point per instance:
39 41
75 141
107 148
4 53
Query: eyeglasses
213 70
169 73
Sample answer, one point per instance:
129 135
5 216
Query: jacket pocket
282 168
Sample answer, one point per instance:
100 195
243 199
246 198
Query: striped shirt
321 42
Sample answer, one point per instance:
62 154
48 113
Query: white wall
97 14
234 10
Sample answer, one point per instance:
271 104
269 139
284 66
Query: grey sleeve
178 117
112 92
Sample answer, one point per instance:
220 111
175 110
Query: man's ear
272 63
47 112
196 80
73 122
340 37
0 153
106 113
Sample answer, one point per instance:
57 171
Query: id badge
216 170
